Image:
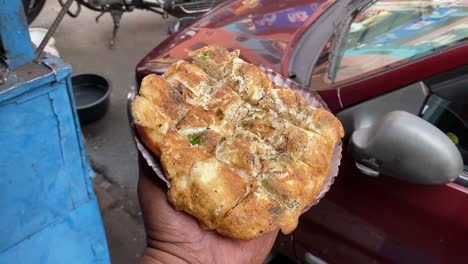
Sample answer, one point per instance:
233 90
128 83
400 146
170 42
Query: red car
369 60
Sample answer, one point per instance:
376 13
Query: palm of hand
179 234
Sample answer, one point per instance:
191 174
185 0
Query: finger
262 245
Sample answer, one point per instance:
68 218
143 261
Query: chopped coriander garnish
204 56
195 141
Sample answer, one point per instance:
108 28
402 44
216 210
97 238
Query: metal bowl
92 96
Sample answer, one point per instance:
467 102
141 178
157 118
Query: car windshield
392 32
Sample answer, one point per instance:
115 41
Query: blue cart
48 210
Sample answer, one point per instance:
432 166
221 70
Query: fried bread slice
243 155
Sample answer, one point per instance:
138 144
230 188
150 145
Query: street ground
84 44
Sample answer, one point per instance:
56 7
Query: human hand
176 237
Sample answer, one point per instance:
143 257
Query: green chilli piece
195 140
204 56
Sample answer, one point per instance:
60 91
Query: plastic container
37 35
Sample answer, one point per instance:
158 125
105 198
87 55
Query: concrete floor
84 44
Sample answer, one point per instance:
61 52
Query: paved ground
84 44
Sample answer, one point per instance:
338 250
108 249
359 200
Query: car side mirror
405 146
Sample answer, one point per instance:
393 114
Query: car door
369 219
394 55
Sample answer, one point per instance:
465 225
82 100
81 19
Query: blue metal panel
76 238
40 156
47 206
14 34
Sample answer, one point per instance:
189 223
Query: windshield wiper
336 53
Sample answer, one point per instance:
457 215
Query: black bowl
92 96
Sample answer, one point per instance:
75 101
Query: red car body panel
240 25
364 220
361 219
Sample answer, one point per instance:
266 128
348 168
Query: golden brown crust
257 215
249 81
209 191
328 125
290 105
313 149
244 156
158 92
188 79
210 139
290 181
151 123
240 153
197 116
228 105
215 60
178 156
150 139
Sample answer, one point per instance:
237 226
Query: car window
452 119
389 33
